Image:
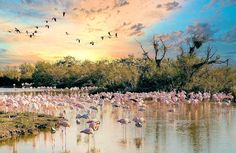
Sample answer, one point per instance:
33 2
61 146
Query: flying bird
46 21
78 40
116 35
36 27
17 30
64 13
91 43
109 33
47 26
9 31
27 32
102 37
54 19
67 33
31 35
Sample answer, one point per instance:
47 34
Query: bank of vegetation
188 71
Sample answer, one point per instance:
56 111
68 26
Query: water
206 128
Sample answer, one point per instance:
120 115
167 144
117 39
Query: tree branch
145 53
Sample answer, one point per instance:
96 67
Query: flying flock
35 31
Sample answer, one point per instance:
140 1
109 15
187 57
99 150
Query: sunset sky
88 20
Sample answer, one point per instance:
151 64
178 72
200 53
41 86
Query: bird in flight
31 35
92 43
78 40
109 35
54 19
17 30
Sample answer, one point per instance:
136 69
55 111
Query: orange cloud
86 20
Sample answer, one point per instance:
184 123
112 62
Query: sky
89 20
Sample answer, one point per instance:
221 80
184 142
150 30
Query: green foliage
9 76
26 72
43 75
126 74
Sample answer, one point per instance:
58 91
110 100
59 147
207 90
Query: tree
190 64
67 61
42 75
158 46
26 71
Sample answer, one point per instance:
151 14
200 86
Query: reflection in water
191 129
14 147
138 142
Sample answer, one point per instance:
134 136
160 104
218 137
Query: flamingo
124 122
87 131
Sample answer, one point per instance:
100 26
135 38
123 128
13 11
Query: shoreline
14 125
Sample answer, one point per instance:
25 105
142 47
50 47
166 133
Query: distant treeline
126 74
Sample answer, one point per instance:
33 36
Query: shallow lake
205 128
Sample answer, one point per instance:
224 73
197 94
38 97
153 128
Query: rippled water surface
206 128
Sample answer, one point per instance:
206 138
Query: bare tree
208 60
145 53
157 50
158 46
190 69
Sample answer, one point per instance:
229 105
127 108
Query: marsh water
206 128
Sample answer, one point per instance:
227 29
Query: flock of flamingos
87 105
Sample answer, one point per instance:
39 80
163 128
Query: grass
18 124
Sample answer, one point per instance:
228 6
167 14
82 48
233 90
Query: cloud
120 3
48 2
2 50
173 36
169 6
222 3
230 36
172 40
87 20
26 1
137 29
201 30
159 6
172 5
